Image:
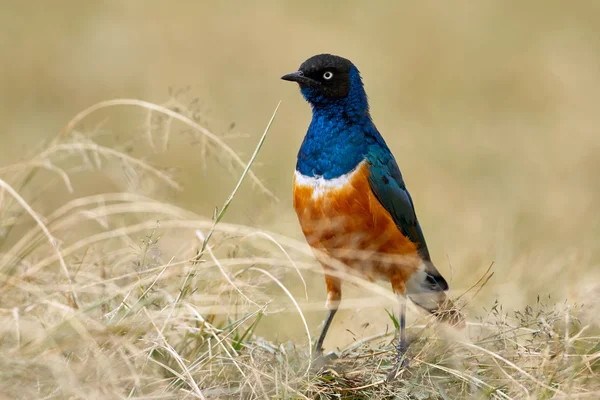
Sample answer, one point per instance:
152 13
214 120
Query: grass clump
119 295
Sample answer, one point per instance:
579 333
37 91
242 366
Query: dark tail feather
434 279
432 297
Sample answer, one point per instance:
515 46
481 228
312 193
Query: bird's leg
402 343
402 346
321 360
326 325
334 295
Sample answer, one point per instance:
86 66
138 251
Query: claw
321 360
401 361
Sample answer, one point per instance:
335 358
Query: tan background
491 108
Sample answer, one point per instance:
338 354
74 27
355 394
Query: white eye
328 75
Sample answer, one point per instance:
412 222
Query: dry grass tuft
119 295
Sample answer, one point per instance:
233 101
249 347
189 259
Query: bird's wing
388 186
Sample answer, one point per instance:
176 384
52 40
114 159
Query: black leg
402 344
401 359
319 345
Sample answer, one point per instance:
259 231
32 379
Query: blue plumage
340 136
389 188
335 142
370 197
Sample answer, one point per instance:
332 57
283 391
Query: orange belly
343 219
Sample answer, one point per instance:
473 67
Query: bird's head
328 81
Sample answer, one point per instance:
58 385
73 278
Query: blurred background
491 109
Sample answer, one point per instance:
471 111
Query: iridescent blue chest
331 147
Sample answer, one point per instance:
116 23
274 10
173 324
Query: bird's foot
321 360
401 361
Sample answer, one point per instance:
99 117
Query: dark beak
299 77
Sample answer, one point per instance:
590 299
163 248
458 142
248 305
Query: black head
324 75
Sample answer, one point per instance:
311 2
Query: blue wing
388 186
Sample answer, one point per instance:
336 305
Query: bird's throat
333 145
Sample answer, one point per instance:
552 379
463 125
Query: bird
352 202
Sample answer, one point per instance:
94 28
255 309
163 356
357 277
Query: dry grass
119 295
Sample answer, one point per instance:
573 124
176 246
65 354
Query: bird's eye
327 75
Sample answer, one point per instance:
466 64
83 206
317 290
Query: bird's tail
427 288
